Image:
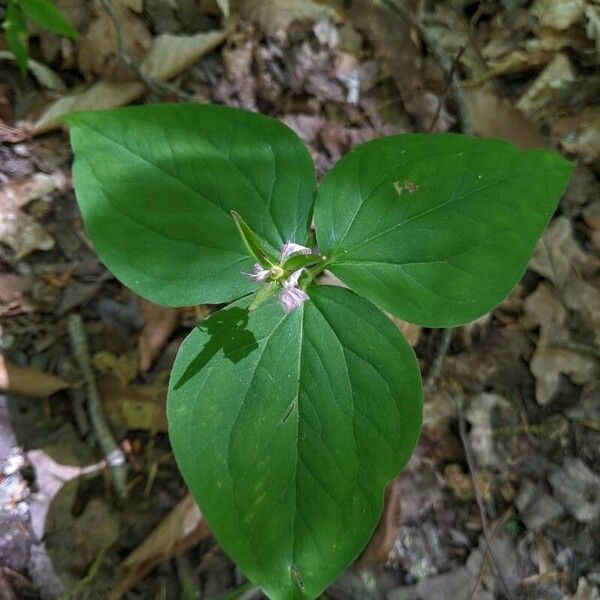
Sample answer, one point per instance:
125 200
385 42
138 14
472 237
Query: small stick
114 456
442 57
443 97
462 429
438 362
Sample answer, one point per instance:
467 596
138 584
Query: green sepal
253 243
303 261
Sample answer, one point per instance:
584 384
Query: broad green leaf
16 35
157 184
287 429
436 229
45 14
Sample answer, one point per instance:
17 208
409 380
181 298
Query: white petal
291 248
292 280
292 298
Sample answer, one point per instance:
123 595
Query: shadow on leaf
227 332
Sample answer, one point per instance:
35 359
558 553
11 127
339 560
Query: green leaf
16 35
287 429
156 186
436 229
45 14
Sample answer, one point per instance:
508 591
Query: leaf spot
405 186
296 577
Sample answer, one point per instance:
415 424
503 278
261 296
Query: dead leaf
29 381
411 332
19 230
180 530
577 488
12 295
480 415
307 127
553 357
171 54
45 76
557 255
277 15
494 117
23 233
401 58
123 368
100 96
580 135
558 15
168 53
592 26
159 324
98 49
452 30
382 541
461 486
19 192
135 406
557 75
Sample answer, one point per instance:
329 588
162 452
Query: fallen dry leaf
558 256
557 76
494 117
553 357
19 230
382 541
98 49
180 530
277 15
19 192
12 295
401 58
159 324
135 406
558 15
23 233
45 76
168 53
123 368
580 135
100 96
411 332
28 381
171 54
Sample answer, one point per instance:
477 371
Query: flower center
276 272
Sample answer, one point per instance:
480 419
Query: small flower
290 248
292 297
259 275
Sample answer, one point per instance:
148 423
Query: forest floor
502 497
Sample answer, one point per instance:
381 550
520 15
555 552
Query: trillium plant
292 407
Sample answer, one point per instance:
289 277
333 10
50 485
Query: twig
77 591
441 56
156 85
495 530
438 362
443 97
114 456
576 347
462 428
